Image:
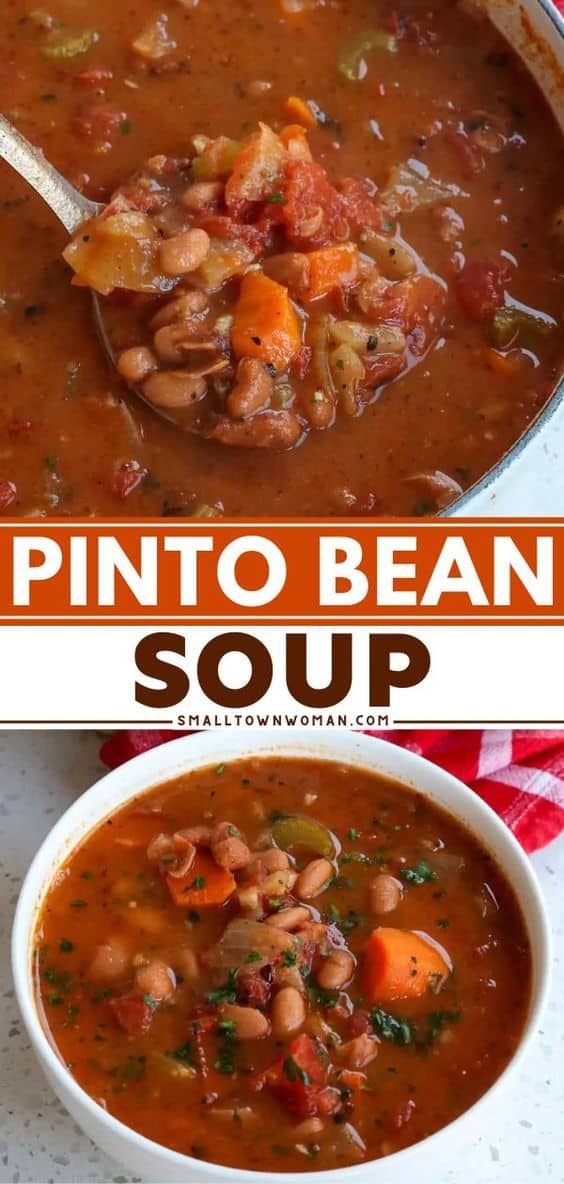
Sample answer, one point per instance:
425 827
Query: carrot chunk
265 324
203 885
299 111
399 964
330 268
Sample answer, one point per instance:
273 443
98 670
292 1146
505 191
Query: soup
283 965
421 114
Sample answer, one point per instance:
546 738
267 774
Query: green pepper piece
62 46
352 54
295 831
508 322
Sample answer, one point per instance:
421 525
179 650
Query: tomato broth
286 965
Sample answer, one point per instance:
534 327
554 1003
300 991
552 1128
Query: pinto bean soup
331 252
283 965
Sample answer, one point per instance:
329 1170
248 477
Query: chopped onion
368 339
243 937
411 186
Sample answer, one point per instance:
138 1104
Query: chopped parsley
353 834
294 1072
277 199
150 1001
254 956
220 769
391 1027
66 946
289 958
184 1053
227 993
422 873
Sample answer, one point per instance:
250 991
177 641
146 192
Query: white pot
156 1163
529 478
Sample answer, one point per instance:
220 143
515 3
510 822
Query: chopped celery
351 59
511 320
64 45
216 159
295 831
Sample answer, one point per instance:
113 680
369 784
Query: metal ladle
71 208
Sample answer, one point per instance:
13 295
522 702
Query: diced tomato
97 121
382 368
417 306
133 1013
8 494
19 427
312 212
222 226
359 205
302 360
127 476
480 288
298 1079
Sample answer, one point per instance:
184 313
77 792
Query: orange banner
341 570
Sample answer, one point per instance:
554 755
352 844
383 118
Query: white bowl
156 1163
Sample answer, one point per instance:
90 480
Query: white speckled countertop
40 774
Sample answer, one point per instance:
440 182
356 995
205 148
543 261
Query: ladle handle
69 206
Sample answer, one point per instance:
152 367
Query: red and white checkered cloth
519 773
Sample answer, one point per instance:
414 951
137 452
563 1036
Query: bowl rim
190 752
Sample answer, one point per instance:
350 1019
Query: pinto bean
278 883
278 430
357 1053
313 879
156 979
180 308
231 853
248 897
172 342
174 388
288 919
335 970
250 1024
288 1011
308 1129
202 195
184 252
385 893
200 836
110 960
314 931
271 860
252 389
136 363
186 963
